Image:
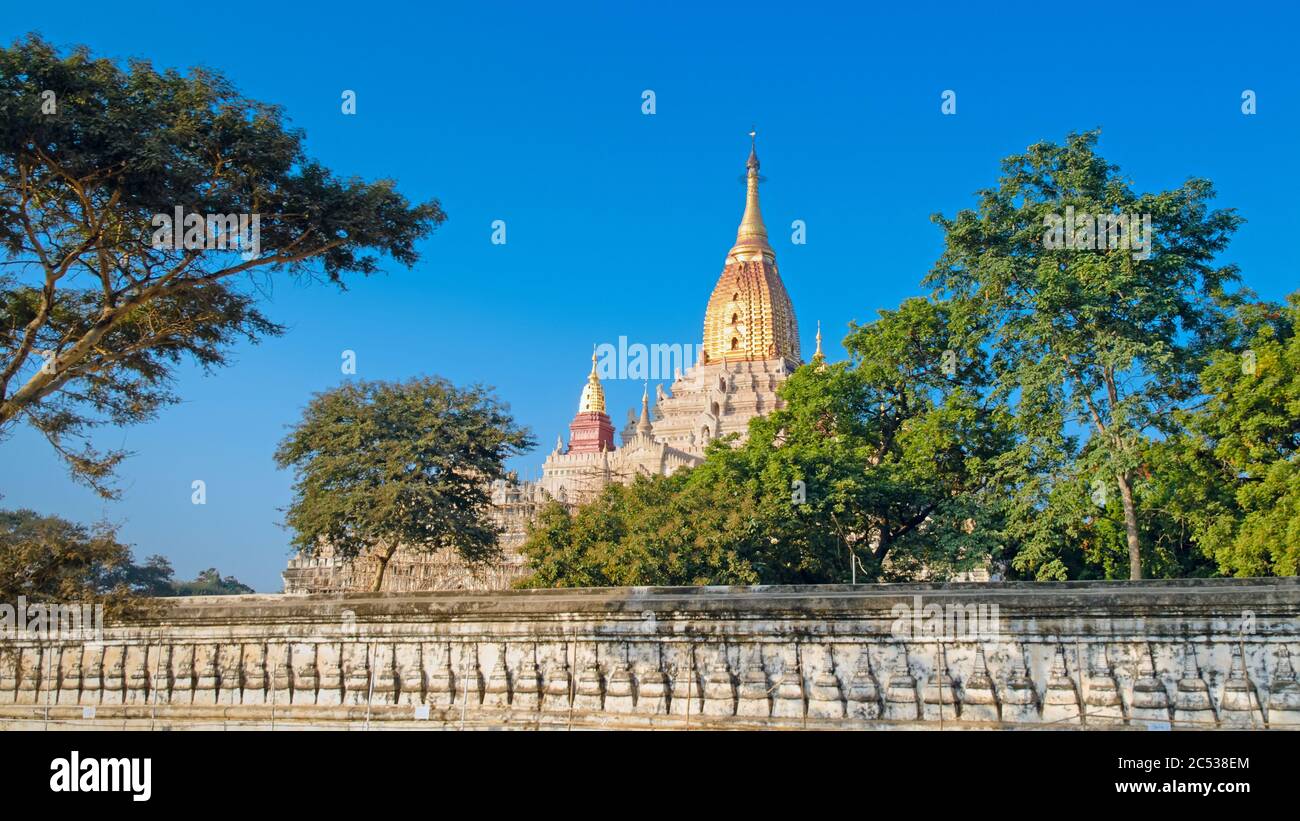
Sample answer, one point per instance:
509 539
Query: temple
750 347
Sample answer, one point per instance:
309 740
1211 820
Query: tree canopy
49 559
382 465
96 311
1233 482
1094 345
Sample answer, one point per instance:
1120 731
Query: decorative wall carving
1069 656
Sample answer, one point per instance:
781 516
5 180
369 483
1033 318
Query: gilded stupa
593 393
749 316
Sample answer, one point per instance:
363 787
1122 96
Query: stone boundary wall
1146 655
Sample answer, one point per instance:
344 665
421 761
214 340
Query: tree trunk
1131 527
383 559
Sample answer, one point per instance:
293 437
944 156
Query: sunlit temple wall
1151 655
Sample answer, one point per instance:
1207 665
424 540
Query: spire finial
819 359
751 239
643 424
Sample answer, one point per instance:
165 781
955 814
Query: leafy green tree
386 464
95 312
554 552
940 445
891 461
655 531
1237 485
1080 533
1095 350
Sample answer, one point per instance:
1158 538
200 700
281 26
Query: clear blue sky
617 222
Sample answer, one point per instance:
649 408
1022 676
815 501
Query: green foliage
1093 350
46 558
93 318
211 583
153 578
157 578
886 459
49 559
1221 494
1240 457
939 447
655 531
383 464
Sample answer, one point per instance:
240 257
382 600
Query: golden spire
751 238
818 357
593 394
749 316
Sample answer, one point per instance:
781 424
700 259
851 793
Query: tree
1096 349
888 462
51 560
1065 526
211 583
386 464
153 578
1238 462
157 578
939 443
99 304
655 531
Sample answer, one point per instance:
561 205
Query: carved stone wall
1192 653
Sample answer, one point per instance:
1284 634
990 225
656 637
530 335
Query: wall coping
1145 597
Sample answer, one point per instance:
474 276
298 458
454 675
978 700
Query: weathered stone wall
408 571
1193 653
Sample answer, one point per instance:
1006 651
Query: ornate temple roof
750 316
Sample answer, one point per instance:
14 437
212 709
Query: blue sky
618 222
